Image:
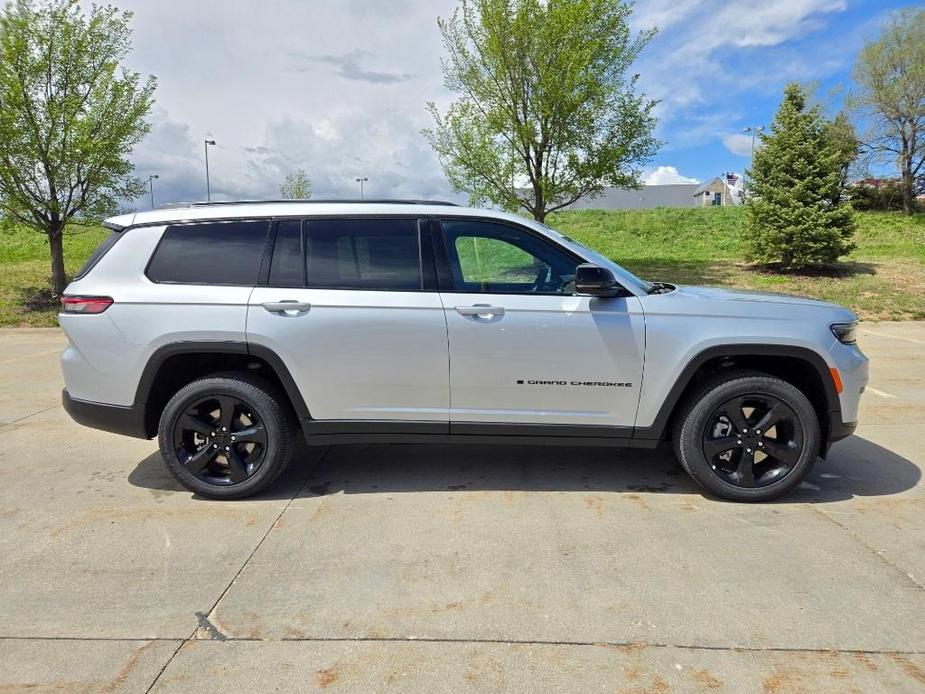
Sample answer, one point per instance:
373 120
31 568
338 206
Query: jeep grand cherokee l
222 329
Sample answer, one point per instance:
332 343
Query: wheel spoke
745 473
236 465
782 451
713 447
734 411
191 422
227 406
197 462
252 434
777 412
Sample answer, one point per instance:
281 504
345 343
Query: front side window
224 253
496 258
381 254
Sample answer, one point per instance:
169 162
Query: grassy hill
25 271
883 279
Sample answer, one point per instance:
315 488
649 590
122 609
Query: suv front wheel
748 436
227 436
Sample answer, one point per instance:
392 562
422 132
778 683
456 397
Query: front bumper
838 429
118 419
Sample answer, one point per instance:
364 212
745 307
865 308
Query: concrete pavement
426 568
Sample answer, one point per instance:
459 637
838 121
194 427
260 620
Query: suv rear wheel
748 436
227 436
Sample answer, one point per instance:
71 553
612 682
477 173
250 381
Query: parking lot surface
433 568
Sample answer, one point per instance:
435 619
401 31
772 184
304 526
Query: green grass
25 271
883 279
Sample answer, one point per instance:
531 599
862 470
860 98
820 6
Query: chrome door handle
480 310
288 307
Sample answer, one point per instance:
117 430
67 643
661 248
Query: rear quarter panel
108 352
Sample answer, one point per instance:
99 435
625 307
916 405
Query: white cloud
663 175
338 88
688 64
740 144
661 13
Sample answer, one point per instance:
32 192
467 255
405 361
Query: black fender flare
273 360
659 426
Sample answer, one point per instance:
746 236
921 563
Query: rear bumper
118 419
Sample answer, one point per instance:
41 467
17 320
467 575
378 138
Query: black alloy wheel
227 436
747 435
753 440
220 440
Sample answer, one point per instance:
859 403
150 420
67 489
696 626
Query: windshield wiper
661 288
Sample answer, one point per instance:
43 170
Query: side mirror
595 280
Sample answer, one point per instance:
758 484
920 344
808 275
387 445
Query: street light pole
151 185
754 130
361 180
208 187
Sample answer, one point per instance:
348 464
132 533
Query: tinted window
364 254
216 253
487 257
287 268
101 250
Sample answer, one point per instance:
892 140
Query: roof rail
329 201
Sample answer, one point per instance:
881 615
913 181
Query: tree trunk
539 211
539 204
56 246
908 192
905 163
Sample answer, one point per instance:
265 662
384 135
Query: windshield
626 277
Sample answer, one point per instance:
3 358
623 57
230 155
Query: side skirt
330 433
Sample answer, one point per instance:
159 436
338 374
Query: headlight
845 332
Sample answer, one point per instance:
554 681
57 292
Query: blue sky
744 57
338 87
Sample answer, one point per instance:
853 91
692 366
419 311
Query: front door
524 349
347 306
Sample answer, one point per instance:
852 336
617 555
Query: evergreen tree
798 213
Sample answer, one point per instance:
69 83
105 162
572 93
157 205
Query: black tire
258 436
720 449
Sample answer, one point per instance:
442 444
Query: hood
719 294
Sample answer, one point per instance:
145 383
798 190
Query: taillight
85 304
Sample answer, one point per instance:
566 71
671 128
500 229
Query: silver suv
223 328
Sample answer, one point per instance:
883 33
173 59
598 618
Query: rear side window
226 253
101 250
379 254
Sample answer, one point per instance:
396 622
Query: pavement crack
627 645
9 426
205 621
207 630
883 557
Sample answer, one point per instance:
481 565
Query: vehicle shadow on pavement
151 473
855 467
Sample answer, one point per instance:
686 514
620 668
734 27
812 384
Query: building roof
647 197
736 192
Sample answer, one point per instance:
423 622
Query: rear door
524 349
351 307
